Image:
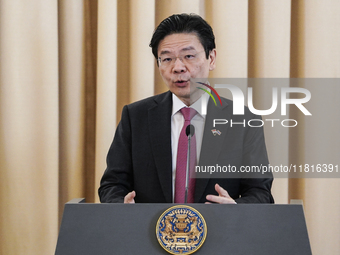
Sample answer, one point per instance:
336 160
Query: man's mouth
181 83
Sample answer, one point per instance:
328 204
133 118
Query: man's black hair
184 23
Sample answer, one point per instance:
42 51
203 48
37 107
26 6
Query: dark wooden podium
245 229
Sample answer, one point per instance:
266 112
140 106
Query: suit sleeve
255 187
117 179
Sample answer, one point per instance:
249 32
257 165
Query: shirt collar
177 104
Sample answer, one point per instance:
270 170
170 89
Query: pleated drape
68 67
29 127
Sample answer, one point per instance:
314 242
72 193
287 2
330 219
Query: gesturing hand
222 198
129 198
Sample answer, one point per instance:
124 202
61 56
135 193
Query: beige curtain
68 67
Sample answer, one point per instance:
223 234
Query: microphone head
190 130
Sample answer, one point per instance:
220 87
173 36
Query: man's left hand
222 198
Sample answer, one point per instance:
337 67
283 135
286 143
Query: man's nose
179 66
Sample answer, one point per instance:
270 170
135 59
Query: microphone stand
187 170
190 131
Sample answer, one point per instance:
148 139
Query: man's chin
191 96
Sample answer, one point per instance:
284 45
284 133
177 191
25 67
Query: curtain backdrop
68 67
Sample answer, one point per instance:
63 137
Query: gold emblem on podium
181 230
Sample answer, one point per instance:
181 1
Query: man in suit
141 163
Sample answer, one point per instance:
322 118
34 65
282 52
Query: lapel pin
216 132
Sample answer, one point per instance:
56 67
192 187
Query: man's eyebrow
164 52
188 48
184 49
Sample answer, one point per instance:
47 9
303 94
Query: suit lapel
211 145
159 118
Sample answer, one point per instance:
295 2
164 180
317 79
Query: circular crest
181 229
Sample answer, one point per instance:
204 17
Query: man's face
183 58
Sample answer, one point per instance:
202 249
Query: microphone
189 131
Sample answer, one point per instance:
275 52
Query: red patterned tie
181 165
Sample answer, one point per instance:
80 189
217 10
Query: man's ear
212 59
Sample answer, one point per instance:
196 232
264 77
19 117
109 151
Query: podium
130 229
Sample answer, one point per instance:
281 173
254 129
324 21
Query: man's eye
189 56
165 60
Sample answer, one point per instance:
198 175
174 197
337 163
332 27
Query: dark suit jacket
140 155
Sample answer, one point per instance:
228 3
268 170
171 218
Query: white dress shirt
177 122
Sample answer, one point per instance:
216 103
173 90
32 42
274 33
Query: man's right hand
129 198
